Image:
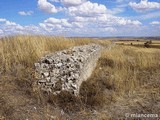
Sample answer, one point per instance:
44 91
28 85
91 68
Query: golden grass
122 71
128 78
17 75
137 43
127 61
26 50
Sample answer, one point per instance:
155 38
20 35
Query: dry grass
139 43
126 62
126 80
26 50
131 76
17 76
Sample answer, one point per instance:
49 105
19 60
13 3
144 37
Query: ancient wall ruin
67 69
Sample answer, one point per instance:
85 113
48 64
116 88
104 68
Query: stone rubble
67 69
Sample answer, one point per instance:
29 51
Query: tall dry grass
26 50
124 75
126 80
128 65
17 75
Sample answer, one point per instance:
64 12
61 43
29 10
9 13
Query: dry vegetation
139 43
126 80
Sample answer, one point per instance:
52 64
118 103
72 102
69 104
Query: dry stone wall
67 69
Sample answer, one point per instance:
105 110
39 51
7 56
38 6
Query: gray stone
46 74
48 79
49 84
59 64
74 86
67 69
42 81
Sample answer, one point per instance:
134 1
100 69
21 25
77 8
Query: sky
80 18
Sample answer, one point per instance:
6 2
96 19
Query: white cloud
62 25
110 20
52 24
45 6
102 25
87 9
155 23
19 27
110 29
78 24
116 10
25 13
82 25
146 16
53 21
1 32
82 18
9 23
122 21
144 5
69 3
65 23
6 22
60 22
10 28
87 18
2 20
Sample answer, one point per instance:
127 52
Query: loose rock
67 69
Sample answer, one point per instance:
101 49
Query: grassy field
126 80
138 43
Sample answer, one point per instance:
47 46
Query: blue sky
91 18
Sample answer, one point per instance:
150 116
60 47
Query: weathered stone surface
67 69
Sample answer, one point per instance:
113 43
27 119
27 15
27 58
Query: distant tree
147 44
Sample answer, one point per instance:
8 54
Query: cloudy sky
90 18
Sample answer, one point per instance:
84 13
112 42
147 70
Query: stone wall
67 69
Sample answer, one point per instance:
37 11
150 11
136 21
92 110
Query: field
126 80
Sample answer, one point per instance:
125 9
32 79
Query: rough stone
67 69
